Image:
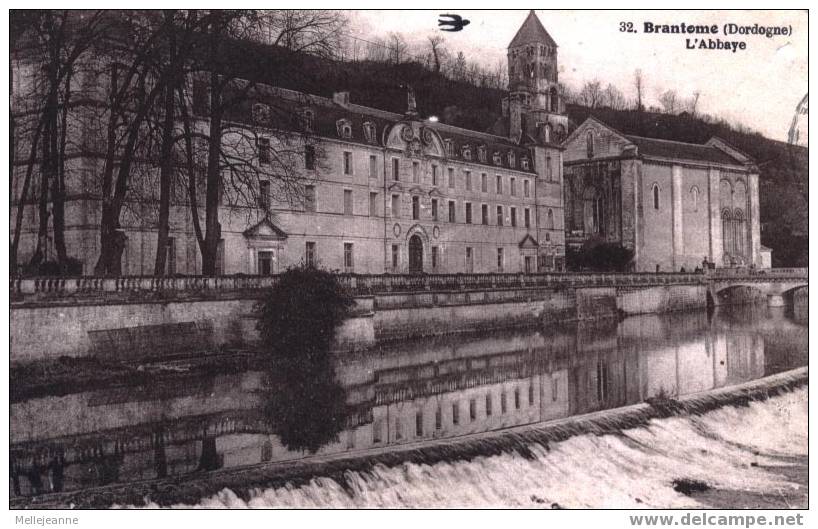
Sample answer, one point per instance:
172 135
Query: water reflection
433 389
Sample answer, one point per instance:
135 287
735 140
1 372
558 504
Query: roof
681 150
532 32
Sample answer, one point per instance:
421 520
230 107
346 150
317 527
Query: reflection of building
436 391
674 204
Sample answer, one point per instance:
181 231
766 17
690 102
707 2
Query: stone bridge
739 285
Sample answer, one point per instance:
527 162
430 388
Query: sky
759 87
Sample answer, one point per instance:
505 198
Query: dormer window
589 144
512 159
369 132
524 163
481 153
449 145
261 113
308 117
496 158
344 127
466 150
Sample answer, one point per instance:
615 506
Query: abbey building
384 192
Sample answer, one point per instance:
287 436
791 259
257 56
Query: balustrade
192 286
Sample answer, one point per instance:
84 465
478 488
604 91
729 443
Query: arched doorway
415 255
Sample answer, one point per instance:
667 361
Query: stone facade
673 204
378 192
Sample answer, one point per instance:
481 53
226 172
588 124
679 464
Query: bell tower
537 120
536 109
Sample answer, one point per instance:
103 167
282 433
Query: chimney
341 98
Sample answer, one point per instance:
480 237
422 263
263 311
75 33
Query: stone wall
43 330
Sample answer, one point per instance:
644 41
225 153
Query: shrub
600 256
298 317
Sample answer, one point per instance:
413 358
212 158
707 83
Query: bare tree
614 98
591 94
398 48
638 83
438 51
669 101
693 103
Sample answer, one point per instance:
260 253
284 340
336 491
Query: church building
674 204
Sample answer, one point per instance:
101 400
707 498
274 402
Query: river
433 393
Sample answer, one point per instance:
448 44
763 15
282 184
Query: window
472 410
438 418
528 263
516 398
524 163
264 194
452 212
549 220
435 255
514 217
220 258
308 119
548 174
468 212
377 431
694 197
481 153
468 180
309 199
415 208
530 394
589 144
398 429
309 254
201 99
449 146
499 215
555 391
395 169
419 424
740 236
373 204
434 175
484 183
455 413
373 166
395 206
526 190
434 209
415 172
727 231
264 151
349 258
503 403
395 256
513 185
369 132
469 259
500 259
347 202
347 162
485 212
170 259
451 178
499 185
512 160
655 196
309 157
527 217
488 405
266 265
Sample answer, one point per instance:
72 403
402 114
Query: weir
87 316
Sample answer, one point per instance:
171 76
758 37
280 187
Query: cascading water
635 468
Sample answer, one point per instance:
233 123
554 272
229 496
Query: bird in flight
455 24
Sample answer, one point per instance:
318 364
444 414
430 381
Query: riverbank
520 444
